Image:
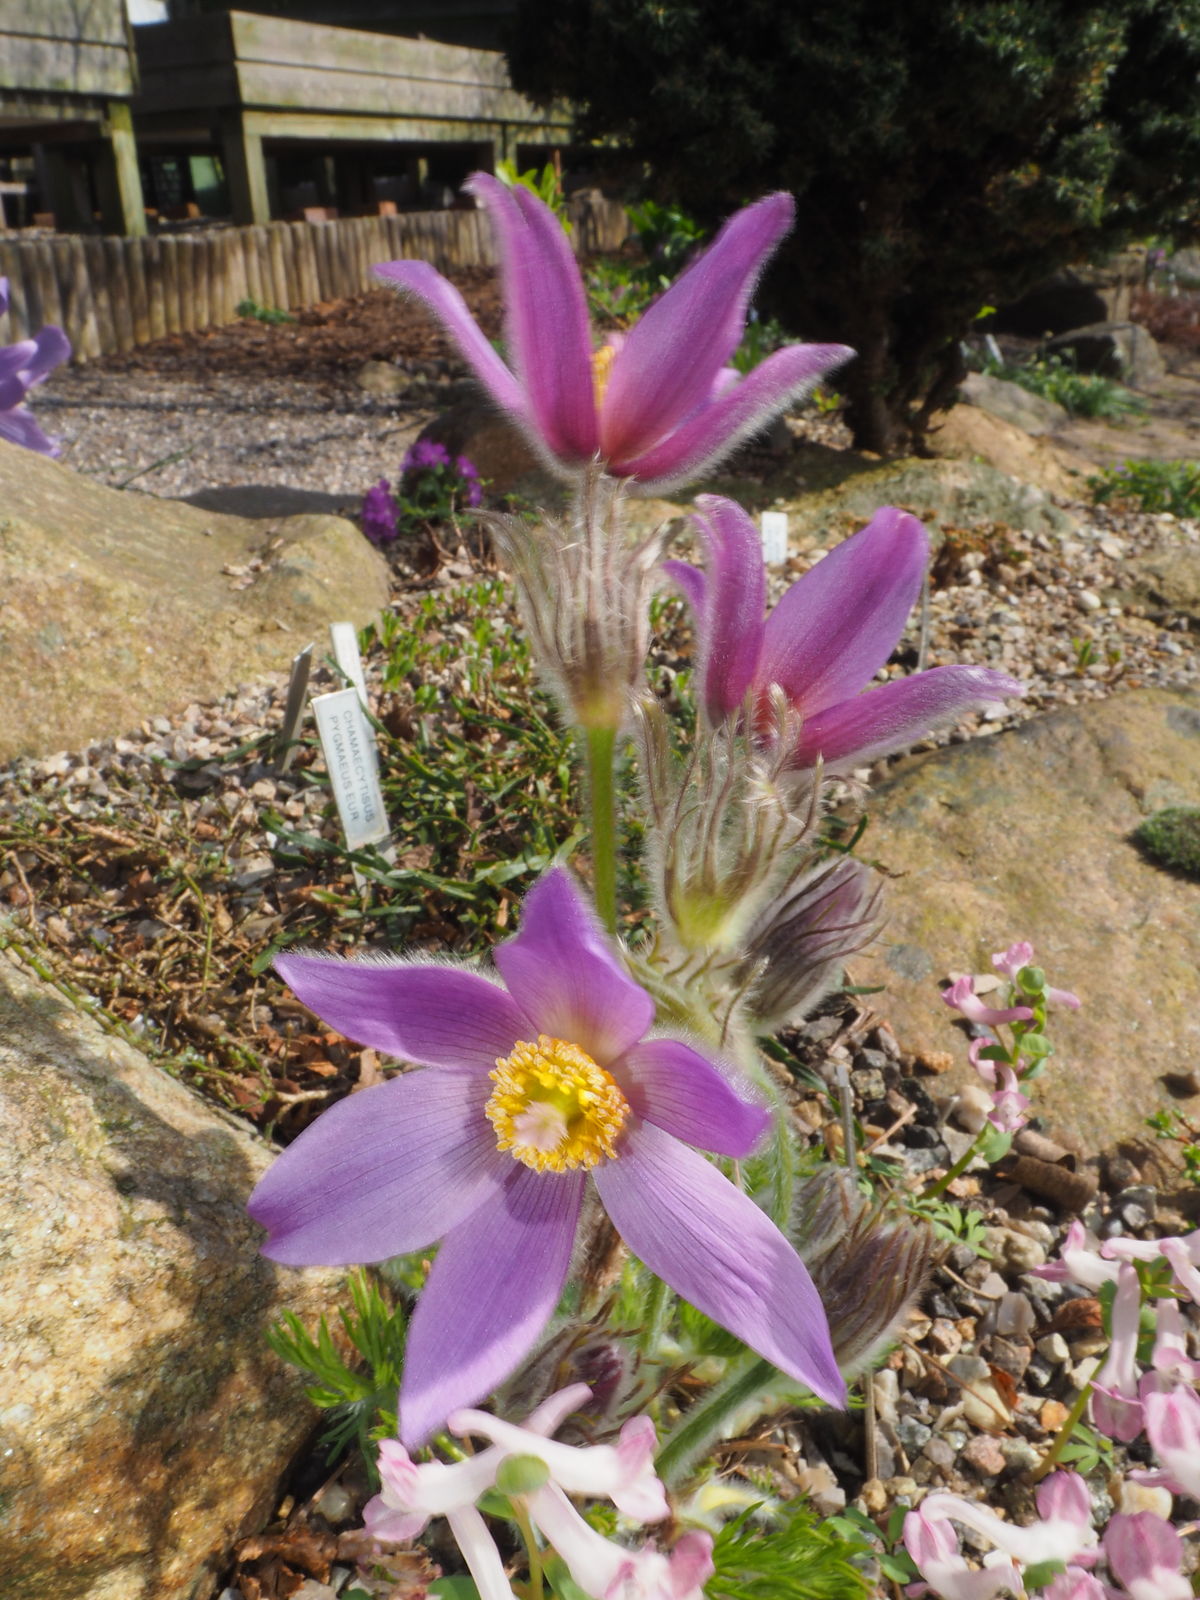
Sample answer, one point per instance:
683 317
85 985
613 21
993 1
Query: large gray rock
120 606
1121 350
1032 413
1166 578
1026 835
945 493
144 1423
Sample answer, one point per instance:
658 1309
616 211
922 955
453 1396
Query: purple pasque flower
660 407
530 1090
380 513
22 366
825 640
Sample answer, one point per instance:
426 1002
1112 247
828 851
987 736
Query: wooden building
67 79
297 115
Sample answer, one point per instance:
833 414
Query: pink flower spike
1065 1534
608 1571
961 996
623 1473
1116 1408
1170 1357
1009 1105
660 404
1146 1553
1078 1261
1173 1428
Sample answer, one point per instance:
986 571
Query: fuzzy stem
702 1423
655 1315
959 1167
600 745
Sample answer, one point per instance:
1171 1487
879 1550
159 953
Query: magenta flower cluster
22 366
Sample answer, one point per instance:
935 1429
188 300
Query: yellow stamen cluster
602 361
553 1107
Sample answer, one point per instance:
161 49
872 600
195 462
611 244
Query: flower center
602 362
553 1107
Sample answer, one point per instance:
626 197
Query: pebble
1019 1455
1088 600
984 1456
1054 1349
1052 1415
913 1435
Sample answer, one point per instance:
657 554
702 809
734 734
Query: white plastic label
774 526
349 744
345 652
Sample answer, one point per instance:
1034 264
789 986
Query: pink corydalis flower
1181 1252
528 1093
22 366
605 1570
1079 1261
1172 1419
1145 1554
1064 1533
661 406
961 996
1116 1409
825 640
1011 961
1010 1107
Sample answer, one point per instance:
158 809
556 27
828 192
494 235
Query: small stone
874 1497
1136 1205
1088 600
984 1456
940 1452
1017 1250
993 1285
1015 1317
1052 1415
913 1435
868 1083
822 1488
1038 1373
944 1337
1019 1455
1011 1356
985 1407
887 1391
1134 1497
1054 1349
901 1490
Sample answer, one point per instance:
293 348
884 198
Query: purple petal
731 622
548 330
838 624
886 719
384 1171
3 296
434 1016
53 348
15 358
714 429
673 356
20 427
690 580
682 1092
713 1246
493 1288
564 974
449 307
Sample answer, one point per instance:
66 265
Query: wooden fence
111 294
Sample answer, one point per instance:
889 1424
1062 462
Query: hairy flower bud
868 1264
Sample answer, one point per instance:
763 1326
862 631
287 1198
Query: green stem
703 1422
956 1171
654 1316
1059 1443
601 745
521 1517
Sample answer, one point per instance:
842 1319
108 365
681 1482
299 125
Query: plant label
348 741
774 528
344 639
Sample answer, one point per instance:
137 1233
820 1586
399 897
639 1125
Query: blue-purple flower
662 403
825 640
528 1091
22 365
380 513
